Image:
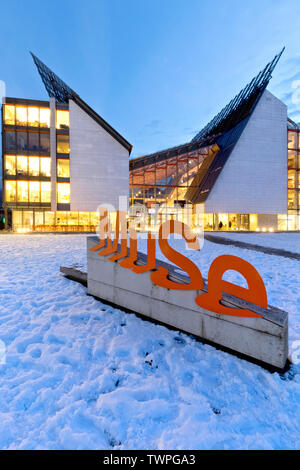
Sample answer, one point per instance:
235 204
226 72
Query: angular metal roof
58 89
227 127
240 106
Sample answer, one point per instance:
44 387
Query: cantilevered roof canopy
58 89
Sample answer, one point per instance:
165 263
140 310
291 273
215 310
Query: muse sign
210 300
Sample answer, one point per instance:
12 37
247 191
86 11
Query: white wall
99 167
254 178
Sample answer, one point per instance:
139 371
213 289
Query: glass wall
62 119
27 166
166 181
62 143
63 168
24 141
63 193
22 115
28 191
60 221
290 221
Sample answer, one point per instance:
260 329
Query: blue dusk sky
156 70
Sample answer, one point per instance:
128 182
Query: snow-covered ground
282 241
82 375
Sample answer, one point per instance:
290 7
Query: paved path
220 240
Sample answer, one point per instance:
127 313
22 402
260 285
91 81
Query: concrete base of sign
262 339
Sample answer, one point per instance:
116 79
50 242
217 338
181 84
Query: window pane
63 168
22 166
44 117
34 191
10 165
28 218
21 115
9 114
63 144
45 192
33 116
73 218
84 218
10 191
45 166
17 219
63 193
33 141
22 140
292 159
38 219
61 218
22 191
62 119
10 140
45 142
292 140
49 218
34 166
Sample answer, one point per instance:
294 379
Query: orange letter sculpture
160 277
256 292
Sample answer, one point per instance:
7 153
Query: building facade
241 170
57 161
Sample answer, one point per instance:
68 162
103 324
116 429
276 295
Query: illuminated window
45 192
50 218
45 142
10 191
84 218
94 218
45 166
34 166
62 119
44 117
33 116
63 193
73 218
28 219
22 191
21 115
63 145
63 168
34 191
10 140
38 218
22 168
61 218
292 178
9 114
10 165
292 140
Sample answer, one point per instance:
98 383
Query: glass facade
22 165
28 191
62 143
54 221
165 182
63 193
62 119
22 115
63 168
